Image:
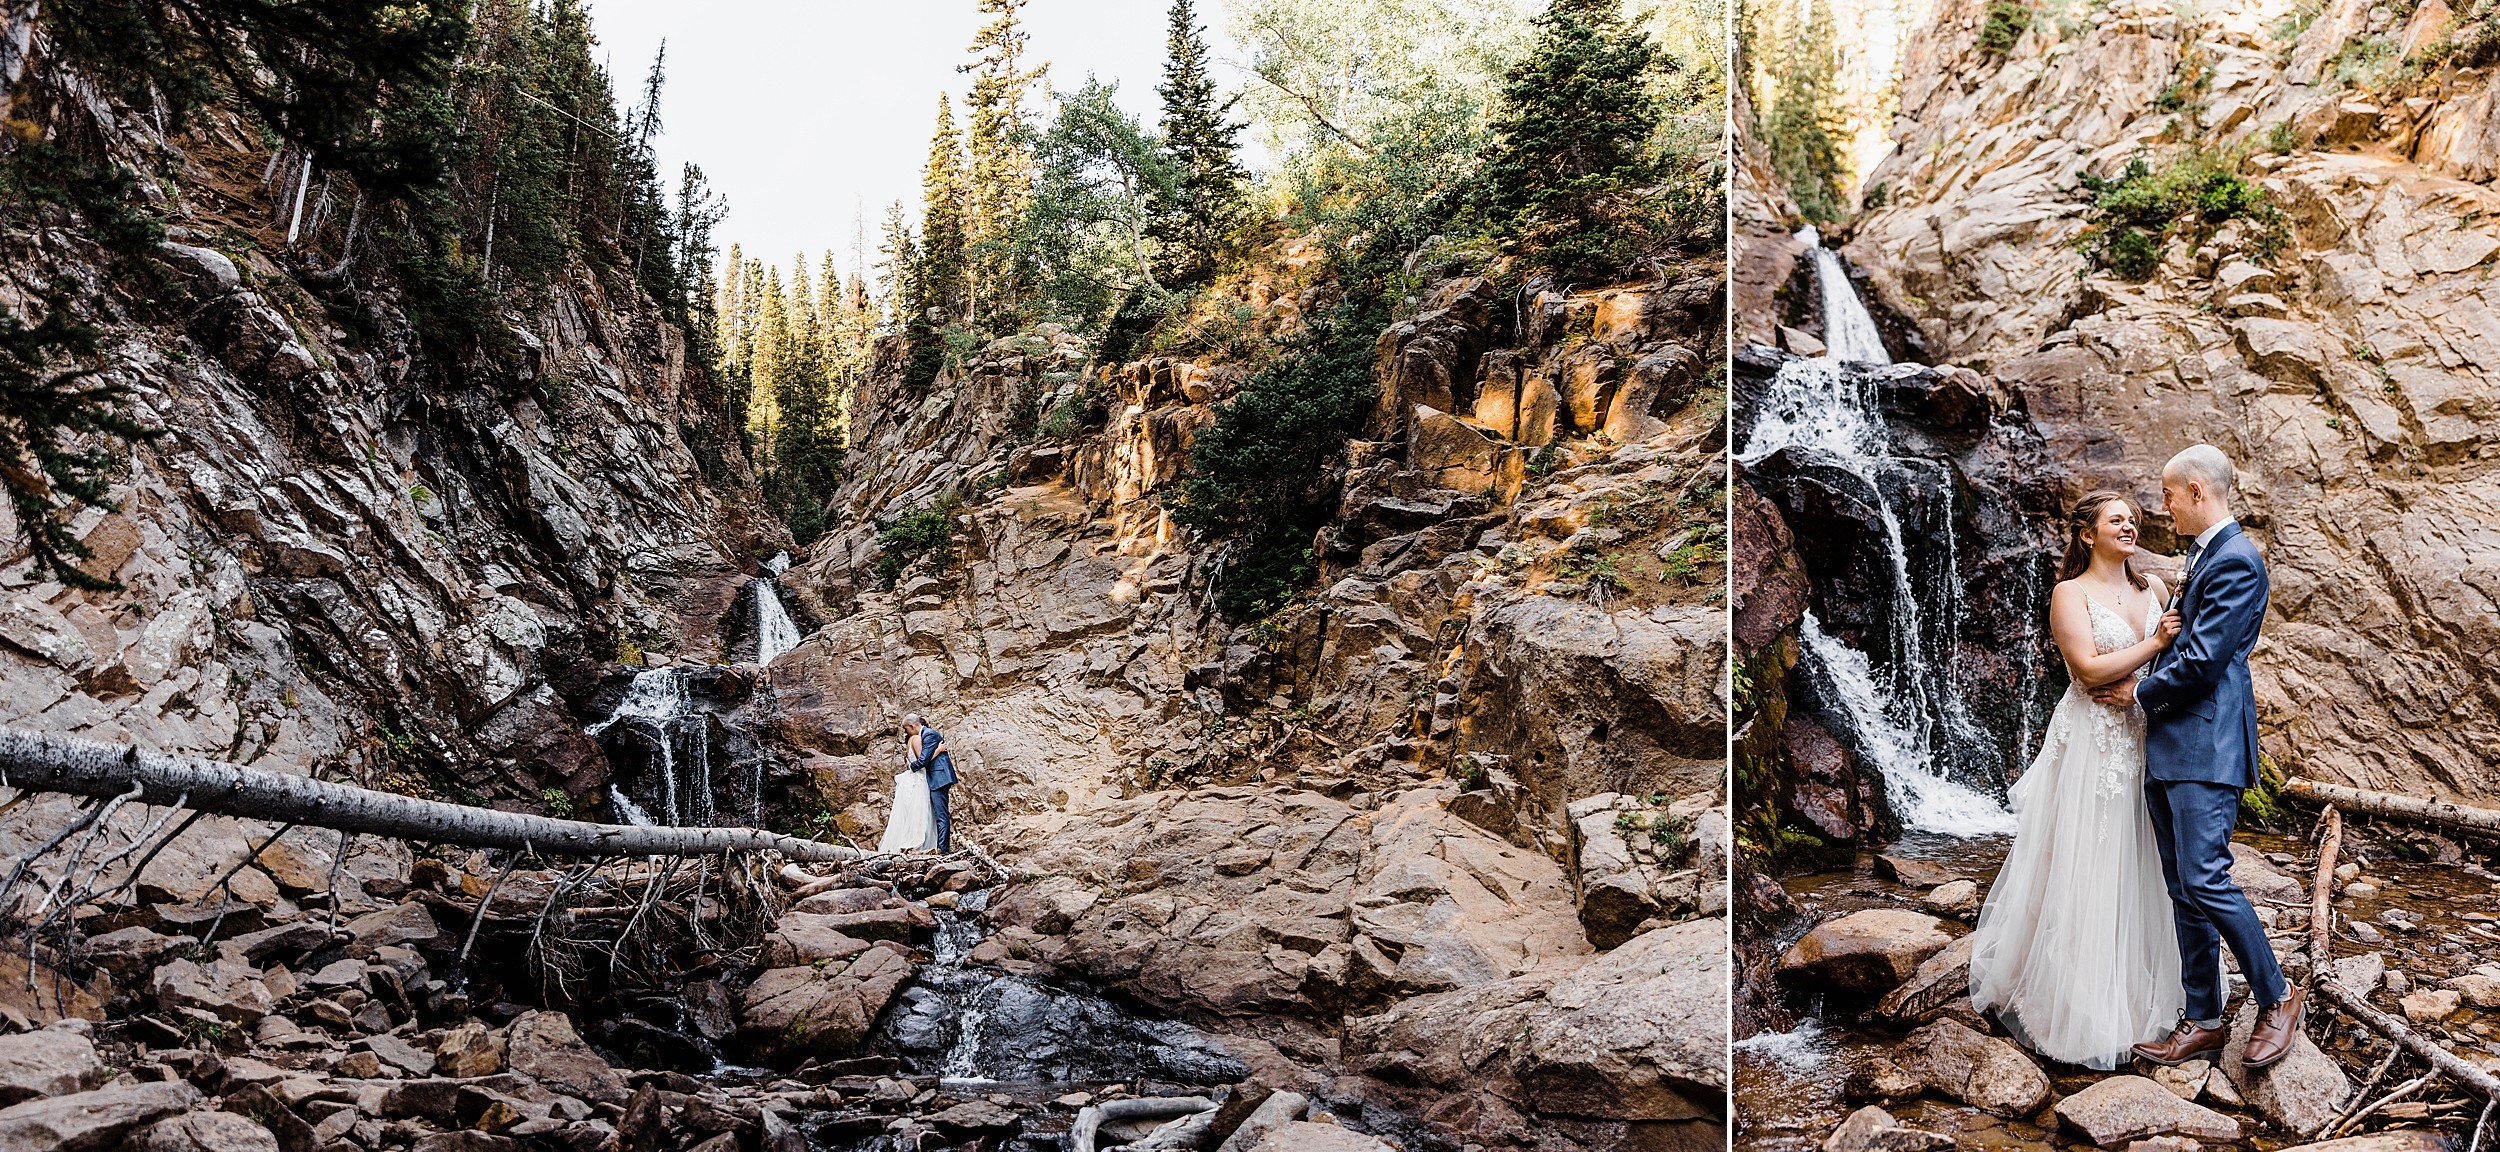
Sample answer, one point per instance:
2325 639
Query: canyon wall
2349 368
1463 792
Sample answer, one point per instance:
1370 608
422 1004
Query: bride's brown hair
2085 517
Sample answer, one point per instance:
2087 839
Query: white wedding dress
913 825
2075 951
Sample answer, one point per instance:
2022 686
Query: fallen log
50 763
2388 804
2322 894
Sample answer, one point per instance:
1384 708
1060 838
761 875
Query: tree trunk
43 762
2414 808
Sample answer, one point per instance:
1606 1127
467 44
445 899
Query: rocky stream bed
1873 1043
868 1009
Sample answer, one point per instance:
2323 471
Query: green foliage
1199 206
1089 234
2473 39
1803 123
999 165
1254 474
2285 137
2132 215
57 430
927 532
558 804
1578 173
2007 21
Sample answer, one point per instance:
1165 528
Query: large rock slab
544 1047
1305 1136
230 989
1940 980
1865 953
2122 1108
50 1062
1982 1071
208 1132
91 1121
824 1010
2299 1093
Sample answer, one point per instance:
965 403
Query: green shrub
2007 21
928 532
2132 215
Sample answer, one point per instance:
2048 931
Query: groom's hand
2118 695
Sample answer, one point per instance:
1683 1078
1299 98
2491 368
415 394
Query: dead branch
2408 1088
2322 892
2430 1051
2363 1093
2413 808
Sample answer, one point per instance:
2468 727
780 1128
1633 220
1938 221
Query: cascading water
659 708
1907 718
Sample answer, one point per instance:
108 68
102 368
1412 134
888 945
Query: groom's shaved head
2204 464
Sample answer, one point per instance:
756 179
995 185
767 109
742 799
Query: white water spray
775 632
1820 406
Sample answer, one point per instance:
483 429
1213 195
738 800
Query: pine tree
898 269
1001 159
1803 125
1575 140
1194 215
941 269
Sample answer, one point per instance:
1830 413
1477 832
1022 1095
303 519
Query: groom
929 755
2200 753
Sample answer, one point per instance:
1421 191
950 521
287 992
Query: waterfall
659 707
1848 328
1910 722
775 632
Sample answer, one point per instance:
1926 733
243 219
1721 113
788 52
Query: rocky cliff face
2350 374
344 555
1479 764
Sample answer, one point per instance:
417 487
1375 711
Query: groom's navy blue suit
2200 753
941 769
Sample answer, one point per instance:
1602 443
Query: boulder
2479 991
1871 1129
2299 1093
1952 898
826 1010
801 938
208 1132
2260 879
471 1049
91 1121
1450 453
404 925
2362 973
229 989
544 1047
1982 1071
1865 953
52 1062
2114 1111
2430 1005
1939 980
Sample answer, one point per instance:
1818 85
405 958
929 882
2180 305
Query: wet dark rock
1865 953
1871 1129
1982 1071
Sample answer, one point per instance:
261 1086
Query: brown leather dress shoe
2187 1042
2276 1028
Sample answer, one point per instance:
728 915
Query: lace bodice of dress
2117 734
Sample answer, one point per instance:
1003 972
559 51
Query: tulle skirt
2075 950
913 826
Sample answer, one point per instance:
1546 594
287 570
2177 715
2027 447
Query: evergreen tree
1802 124
1201 204
1576 141
1001 171
939 275
898 269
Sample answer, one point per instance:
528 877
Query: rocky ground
1876 1045
1439 843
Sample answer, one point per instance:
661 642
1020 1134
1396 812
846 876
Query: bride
2075 952
913 825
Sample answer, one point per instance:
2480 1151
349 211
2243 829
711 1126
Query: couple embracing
2103 935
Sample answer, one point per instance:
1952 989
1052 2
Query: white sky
804 113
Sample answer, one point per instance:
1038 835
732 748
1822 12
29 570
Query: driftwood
2463 816
52 763
1089 1120
2322 894
2430 1051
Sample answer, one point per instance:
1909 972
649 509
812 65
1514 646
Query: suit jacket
941 767
2200 706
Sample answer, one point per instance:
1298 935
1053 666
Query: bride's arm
2070 623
